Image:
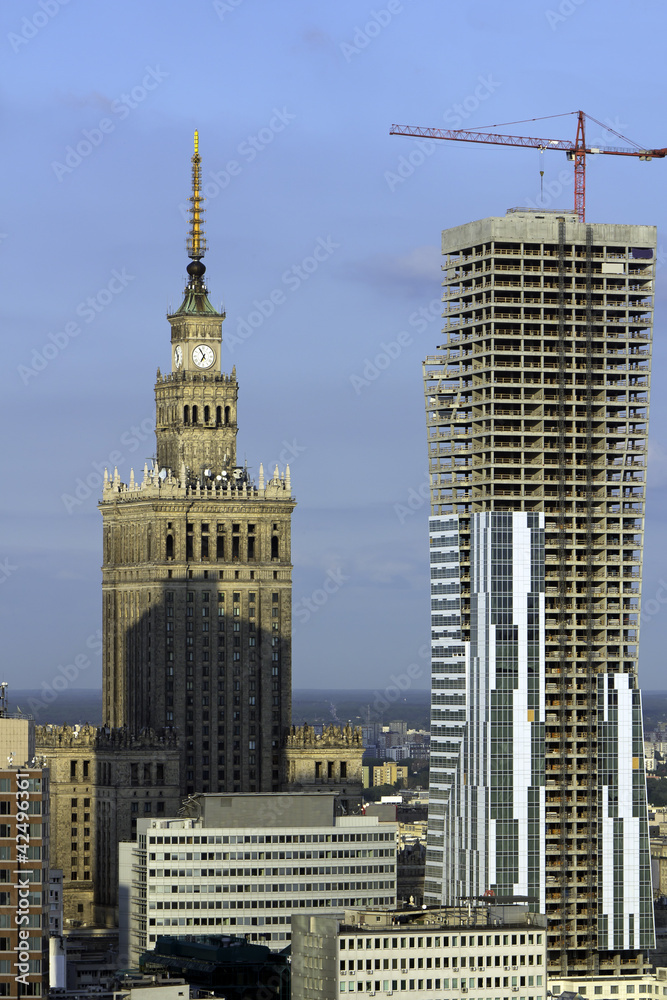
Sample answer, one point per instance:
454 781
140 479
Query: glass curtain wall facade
486 813
537 403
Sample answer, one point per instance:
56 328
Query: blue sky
293 103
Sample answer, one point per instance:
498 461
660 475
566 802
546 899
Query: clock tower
197 570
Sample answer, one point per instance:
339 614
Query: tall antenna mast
196 242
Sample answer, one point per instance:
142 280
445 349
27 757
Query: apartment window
72 769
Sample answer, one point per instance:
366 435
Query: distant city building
399 727
499 954
389 773
17 735
102 782
370 732
246 863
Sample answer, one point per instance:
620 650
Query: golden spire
196 240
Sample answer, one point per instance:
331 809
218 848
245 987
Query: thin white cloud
416 273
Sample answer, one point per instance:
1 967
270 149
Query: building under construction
537 408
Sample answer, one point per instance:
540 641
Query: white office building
246 864
495 953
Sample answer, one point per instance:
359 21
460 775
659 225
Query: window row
221 417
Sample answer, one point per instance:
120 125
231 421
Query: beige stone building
330 762
197 571
102 782
389 773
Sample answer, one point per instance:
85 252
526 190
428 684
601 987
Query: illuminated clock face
203 356
178 356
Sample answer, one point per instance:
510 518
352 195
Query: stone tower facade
197 571
101 782
331 762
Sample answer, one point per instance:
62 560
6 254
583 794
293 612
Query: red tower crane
576 150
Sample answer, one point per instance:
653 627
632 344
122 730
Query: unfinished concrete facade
538 403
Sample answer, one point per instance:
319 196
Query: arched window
227 412
207 414
186 414
218 416
170 546
274 548
194 414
